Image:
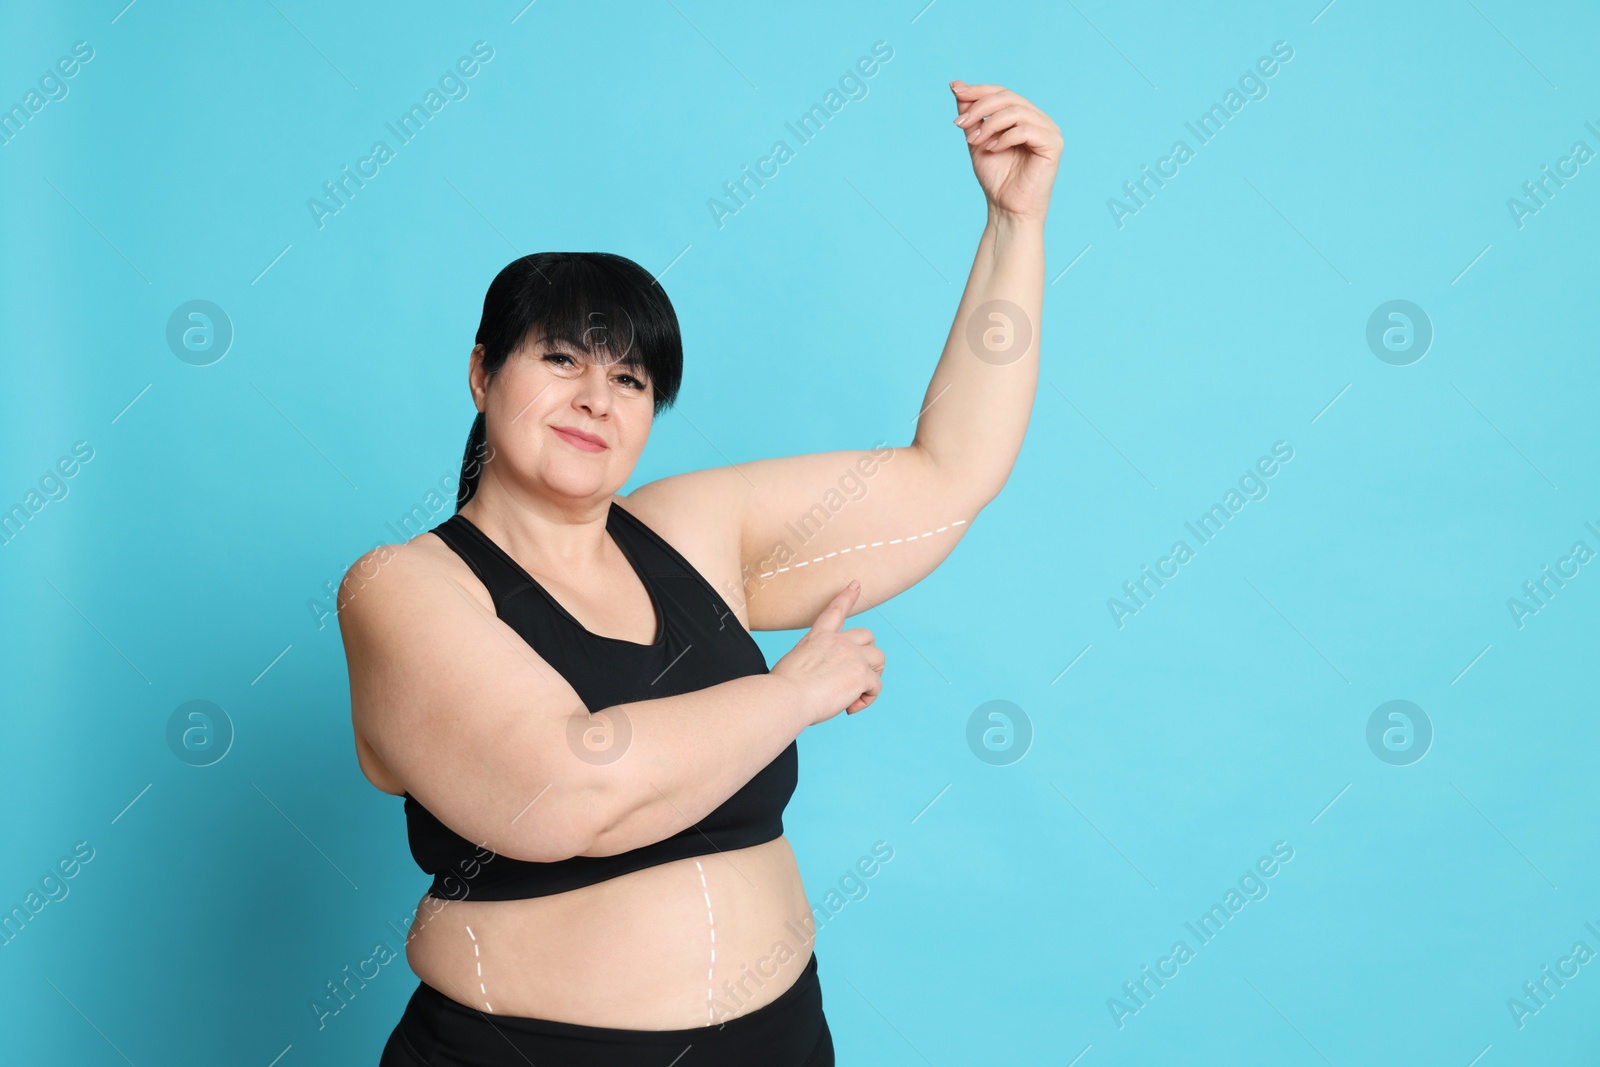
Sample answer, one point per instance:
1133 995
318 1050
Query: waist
802 995
686 943
789 1032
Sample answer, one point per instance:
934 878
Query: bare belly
693 942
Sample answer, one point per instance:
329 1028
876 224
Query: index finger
838 609
966 94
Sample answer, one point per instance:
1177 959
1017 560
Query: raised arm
977 406
889 515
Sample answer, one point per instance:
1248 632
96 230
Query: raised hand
1014 146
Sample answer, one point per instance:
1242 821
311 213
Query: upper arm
460 708
805 525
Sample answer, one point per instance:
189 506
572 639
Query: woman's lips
577 439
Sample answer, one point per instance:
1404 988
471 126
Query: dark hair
599 303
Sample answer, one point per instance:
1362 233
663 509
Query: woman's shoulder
399 572
694 503
697 511
697 514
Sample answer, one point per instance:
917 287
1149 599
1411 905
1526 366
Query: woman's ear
477 380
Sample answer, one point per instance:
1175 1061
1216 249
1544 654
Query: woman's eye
632 382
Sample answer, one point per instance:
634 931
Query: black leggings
436 1031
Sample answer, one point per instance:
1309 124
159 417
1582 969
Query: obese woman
561 682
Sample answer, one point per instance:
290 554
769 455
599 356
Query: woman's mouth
578 439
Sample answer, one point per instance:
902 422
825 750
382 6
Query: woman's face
546 388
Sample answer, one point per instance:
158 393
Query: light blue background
1228 314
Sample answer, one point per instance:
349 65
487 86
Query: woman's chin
577 477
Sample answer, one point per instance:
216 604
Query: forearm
685 755
977 407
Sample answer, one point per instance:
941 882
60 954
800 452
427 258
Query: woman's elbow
565 827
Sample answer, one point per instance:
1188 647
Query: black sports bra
697 637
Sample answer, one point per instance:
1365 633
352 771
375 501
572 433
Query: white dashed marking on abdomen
705 891
479 961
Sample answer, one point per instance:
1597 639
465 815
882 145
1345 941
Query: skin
631 952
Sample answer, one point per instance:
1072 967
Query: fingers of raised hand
999 120
1021 133
988 104
967 95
